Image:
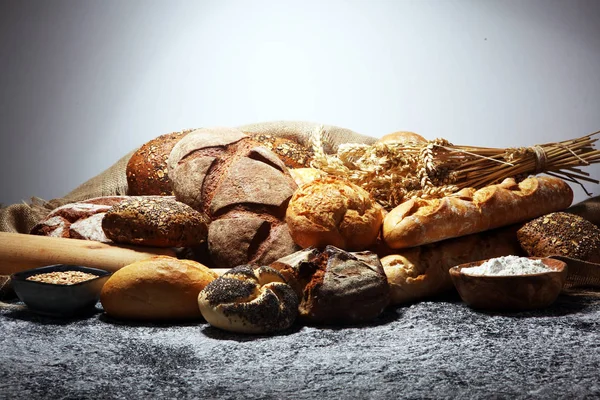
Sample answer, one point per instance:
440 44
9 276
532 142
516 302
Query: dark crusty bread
561 234
147 168
158 221
292 153
336 286
244 189
80 220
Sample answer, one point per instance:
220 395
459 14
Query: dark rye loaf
244 189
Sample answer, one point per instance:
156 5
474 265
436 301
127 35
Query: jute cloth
22 217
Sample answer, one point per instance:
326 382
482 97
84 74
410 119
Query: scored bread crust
333 211
421 221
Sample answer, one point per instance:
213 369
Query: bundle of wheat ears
393 172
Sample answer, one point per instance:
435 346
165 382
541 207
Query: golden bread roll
333 211
420 221
160 288
249 300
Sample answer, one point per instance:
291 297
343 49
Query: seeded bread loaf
421 221
147 168
80 220
561 234
244 189
292 153
159 221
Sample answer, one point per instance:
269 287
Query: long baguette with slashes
419 221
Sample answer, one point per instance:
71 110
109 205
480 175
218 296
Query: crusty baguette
418 221
421 272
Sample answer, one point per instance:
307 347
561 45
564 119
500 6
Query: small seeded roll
249 300
157 289
403 137
333 211
561 234
155 221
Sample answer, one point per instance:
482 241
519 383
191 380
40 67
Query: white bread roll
160 288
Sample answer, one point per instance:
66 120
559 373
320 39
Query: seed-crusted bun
562 234
157 289
403 137
292 153
244 189
303 176
155 221
80 220
147 168
335 286
249 300
333 211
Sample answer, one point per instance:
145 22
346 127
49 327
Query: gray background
84 82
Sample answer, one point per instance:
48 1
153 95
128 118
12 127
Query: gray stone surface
434 349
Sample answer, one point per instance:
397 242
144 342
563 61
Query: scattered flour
508 265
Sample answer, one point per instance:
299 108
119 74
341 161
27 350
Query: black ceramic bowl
57 299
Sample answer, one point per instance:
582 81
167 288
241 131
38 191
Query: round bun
303 176
158 221
403 137
160 288
292 153
335 286
408 282
147 168
249 300
333 211
561 234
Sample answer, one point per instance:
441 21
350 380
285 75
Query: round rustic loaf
333 211
159 221
244 189
147 168
80 220
292 153
249 300
561 234
335 286
160 288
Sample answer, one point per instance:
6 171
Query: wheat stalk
393 172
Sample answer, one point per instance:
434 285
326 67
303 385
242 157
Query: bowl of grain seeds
510 283
60 290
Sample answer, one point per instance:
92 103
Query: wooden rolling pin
19 252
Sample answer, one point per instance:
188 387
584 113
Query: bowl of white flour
510 283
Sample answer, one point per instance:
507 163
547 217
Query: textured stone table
434 349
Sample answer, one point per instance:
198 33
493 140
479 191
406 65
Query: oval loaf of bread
419 221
